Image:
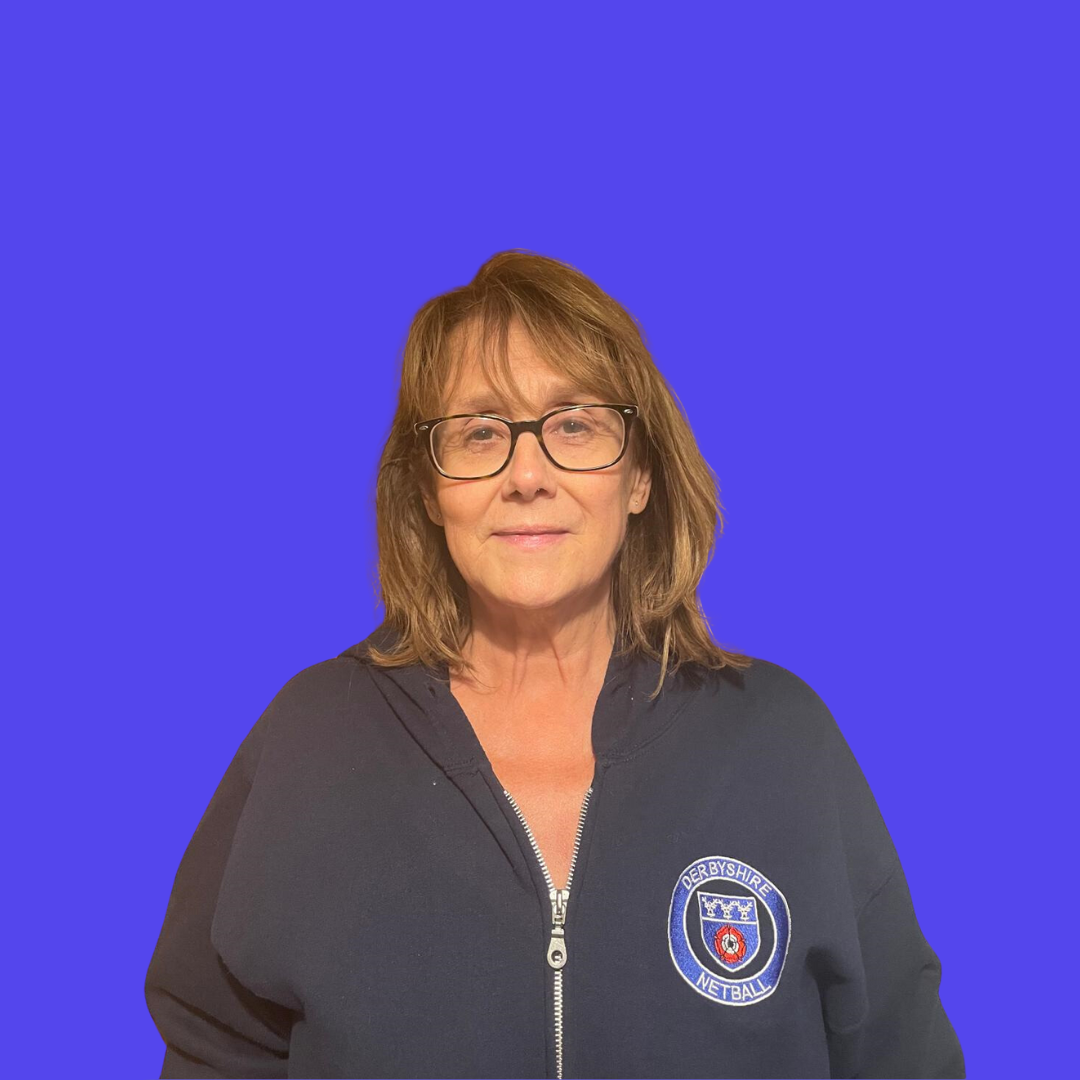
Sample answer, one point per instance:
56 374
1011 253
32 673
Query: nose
529 470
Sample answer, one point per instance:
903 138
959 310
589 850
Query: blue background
850 234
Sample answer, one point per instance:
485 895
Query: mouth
531 536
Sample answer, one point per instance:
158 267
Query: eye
572 425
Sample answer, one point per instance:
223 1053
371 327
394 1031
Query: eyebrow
487 403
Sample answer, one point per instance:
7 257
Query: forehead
523 380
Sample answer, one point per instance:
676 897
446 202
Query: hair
588 337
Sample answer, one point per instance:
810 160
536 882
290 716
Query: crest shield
729 928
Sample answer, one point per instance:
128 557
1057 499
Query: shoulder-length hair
588 337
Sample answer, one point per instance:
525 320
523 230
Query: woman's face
504 570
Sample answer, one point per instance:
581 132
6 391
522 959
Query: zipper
556 951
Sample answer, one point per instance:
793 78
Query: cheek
462 547
465 511
608 506
604 521
463 505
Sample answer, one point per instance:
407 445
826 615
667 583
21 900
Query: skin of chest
545 761
551 801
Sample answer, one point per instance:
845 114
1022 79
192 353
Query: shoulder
319 685
765 706
789 713
313 696
767 689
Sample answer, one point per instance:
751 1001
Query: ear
427 496
639 491
432 507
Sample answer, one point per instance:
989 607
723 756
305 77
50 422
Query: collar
624 722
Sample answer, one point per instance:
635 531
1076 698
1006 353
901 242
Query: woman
539 823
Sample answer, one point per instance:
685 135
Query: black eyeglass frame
628 412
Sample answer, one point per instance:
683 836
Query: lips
530 530
530 537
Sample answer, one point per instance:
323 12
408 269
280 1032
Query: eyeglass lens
472 446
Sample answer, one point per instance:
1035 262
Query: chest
545 760
549 797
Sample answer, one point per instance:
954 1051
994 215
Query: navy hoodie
362 899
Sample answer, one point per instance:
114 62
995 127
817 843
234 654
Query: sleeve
888 1020
213 1026
905 1032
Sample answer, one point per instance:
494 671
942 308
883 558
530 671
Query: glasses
578 438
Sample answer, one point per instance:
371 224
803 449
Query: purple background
849 233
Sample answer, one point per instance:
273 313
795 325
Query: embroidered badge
727 917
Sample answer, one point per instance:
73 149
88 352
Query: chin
531 594
527 599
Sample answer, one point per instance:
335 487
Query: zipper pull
556 954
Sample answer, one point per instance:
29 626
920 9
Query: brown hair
591 339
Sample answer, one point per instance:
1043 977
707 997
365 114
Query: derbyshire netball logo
727 917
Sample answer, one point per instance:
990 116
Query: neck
540 651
